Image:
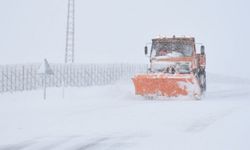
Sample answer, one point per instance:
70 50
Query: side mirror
146 50
202 49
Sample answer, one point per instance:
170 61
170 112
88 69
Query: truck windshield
172 49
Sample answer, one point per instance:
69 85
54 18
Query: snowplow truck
176 69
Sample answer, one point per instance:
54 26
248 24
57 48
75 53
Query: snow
117 31
173 54
112 117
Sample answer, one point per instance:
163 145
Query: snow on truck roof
174 39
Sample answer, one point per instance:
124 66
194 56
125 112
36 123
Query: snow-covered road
111 117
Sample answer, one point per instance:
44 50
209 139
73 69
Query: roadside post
45 70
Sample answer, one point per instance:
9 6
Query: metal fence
25 77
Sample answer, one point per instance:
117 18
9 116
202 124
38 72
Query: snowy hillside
111 117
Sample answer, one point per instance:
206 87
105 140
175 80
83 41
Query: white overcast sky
116 31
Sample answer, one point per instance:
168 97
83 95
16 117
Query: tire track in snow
204 122
18 146
75 143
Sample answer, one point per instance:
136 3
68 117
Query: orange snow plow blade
166 85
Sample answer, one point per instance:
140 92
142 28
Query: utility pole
70 33
70 38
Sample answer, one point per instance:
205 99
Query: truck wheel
203 81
